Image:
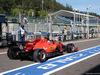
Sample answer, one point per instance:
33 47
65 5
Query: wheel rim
43 55
73 48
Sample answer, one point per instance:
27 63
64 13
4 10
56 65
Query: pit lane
79 68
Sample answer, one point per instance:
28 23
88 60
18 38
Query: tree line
28 6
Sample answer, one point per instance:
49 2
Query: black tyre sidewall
10 53
37 55
69 47
40 56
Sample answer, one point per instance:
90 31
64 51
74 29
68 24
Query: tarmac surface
90 66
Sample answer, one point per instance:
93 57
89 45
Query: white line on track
72 53
87 40
3 52
81 40
48 73
52 59
18 68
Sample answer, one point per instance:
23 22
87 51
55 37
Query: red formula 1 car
39 49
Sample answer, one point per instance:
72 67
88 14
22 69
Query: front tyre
39 55
70 48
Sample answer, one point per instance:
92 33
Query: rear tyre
11 53
39 55
70 48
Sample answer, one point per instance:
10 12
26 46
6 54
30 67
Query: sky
81 5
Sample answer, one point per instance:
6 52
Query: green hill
28 6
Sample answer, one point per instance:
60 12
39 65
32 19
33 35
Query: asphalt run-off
55 64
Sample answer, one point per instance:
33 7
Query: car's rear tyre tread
11 53
37 55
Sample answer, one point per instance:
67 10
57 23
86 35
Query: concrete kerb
80 40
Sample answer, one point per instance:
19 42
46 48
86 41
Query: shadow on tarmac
93 71
2 47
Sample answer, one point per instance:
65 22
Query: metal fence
43 25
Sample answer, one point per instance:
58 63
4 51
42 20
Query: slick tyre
70 48
11 53
39 55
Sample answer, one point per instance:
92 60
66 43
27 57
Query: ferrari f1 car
39 49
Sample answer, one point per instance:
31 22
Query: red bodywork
43 44
39 49
30 45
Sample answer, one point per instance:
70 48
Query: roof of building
68 13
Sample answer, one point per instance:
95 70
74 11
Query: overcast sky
81 5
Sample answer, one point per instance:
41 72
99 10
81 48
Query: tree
30 12
42 13
7 5
15 11
69 7
26 5
1 9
